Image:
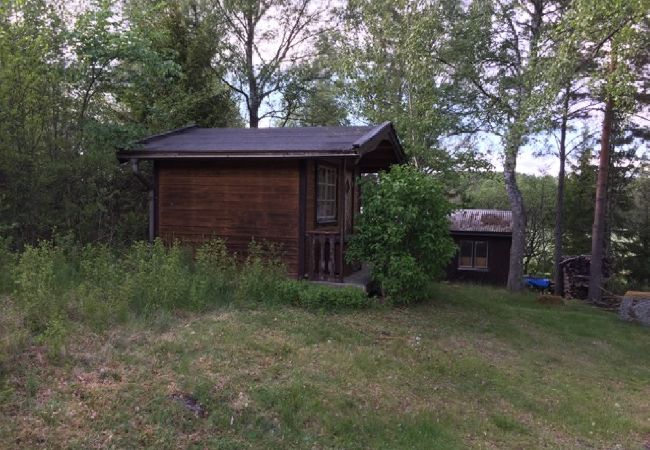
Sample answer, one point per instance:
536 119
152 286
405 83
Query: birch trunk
559 202
518 246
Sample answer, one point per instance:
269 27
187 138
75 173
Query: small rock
190 403
635 310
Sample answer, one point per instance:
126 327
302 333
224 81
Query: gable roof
195 142
481 221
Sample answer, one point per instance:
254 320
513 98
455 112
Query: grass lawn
472 368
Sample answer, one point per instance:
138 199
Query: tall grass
55 286
7 261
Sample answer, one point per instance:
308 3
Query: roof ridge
376 129
153 137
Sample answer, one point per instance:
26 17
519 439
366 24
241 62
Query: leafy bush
100 291
403 232
40 277
157 277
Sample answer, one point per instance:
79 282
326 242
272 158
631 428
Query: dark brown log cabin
483 238
296 187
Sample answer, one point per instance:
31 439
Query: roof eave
385 131
481 233
124 156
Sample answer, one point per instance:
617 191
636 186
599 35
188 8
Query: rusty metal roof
195 142
481 221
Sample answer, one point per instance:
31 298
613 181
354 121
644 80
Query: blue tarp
539 283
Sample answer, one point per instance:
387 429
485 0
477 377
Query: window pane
465 254
481 255
326 194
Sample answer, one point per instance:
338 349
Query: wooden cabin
297 187
483 238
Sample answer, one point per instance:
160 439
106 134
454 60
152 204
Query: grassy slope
475 367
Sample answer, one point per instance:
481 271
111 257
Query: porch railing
325 262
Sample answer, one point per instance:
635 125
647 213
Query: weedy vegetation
156 347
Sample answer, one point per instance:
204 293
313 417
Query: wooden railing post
331 262
322 256
326 266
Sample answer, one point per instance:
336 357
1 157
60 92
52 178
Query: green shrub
215 276
55 335
157 276
262 275
99 292
40 284
403 231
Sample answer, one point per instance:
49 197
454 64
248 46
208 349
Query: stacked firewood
575 270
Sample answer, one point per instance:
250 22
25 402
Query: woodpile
575 271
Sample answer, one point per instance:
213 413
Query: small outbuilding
297 187
483 238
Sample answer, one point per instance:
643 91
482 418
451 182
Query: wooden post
302 223
322 255
331 257
343 210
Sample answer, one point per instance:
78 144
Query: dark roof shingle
289 141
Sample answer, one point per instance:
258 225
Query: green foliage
215 275
637 244
580 195
40 284
13 335
76 85
403 232
262 274
326 298
610 39
395 75
54 336
60 284
157 277
188 88
7 261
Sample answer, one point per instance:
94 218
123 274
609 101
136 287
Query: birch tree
494 55
267 39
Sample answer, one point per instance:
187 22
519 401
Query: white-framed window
473 255
326 181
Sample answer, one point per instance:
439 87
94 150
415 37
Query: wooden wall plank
235 200
498 261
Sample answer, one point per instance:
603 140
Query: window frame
487 263
460 254
474 244
333 219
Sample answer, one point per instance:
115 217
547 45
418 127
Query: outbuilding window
326 194
473 255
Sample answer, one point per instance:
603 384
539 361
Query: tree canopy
471 86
